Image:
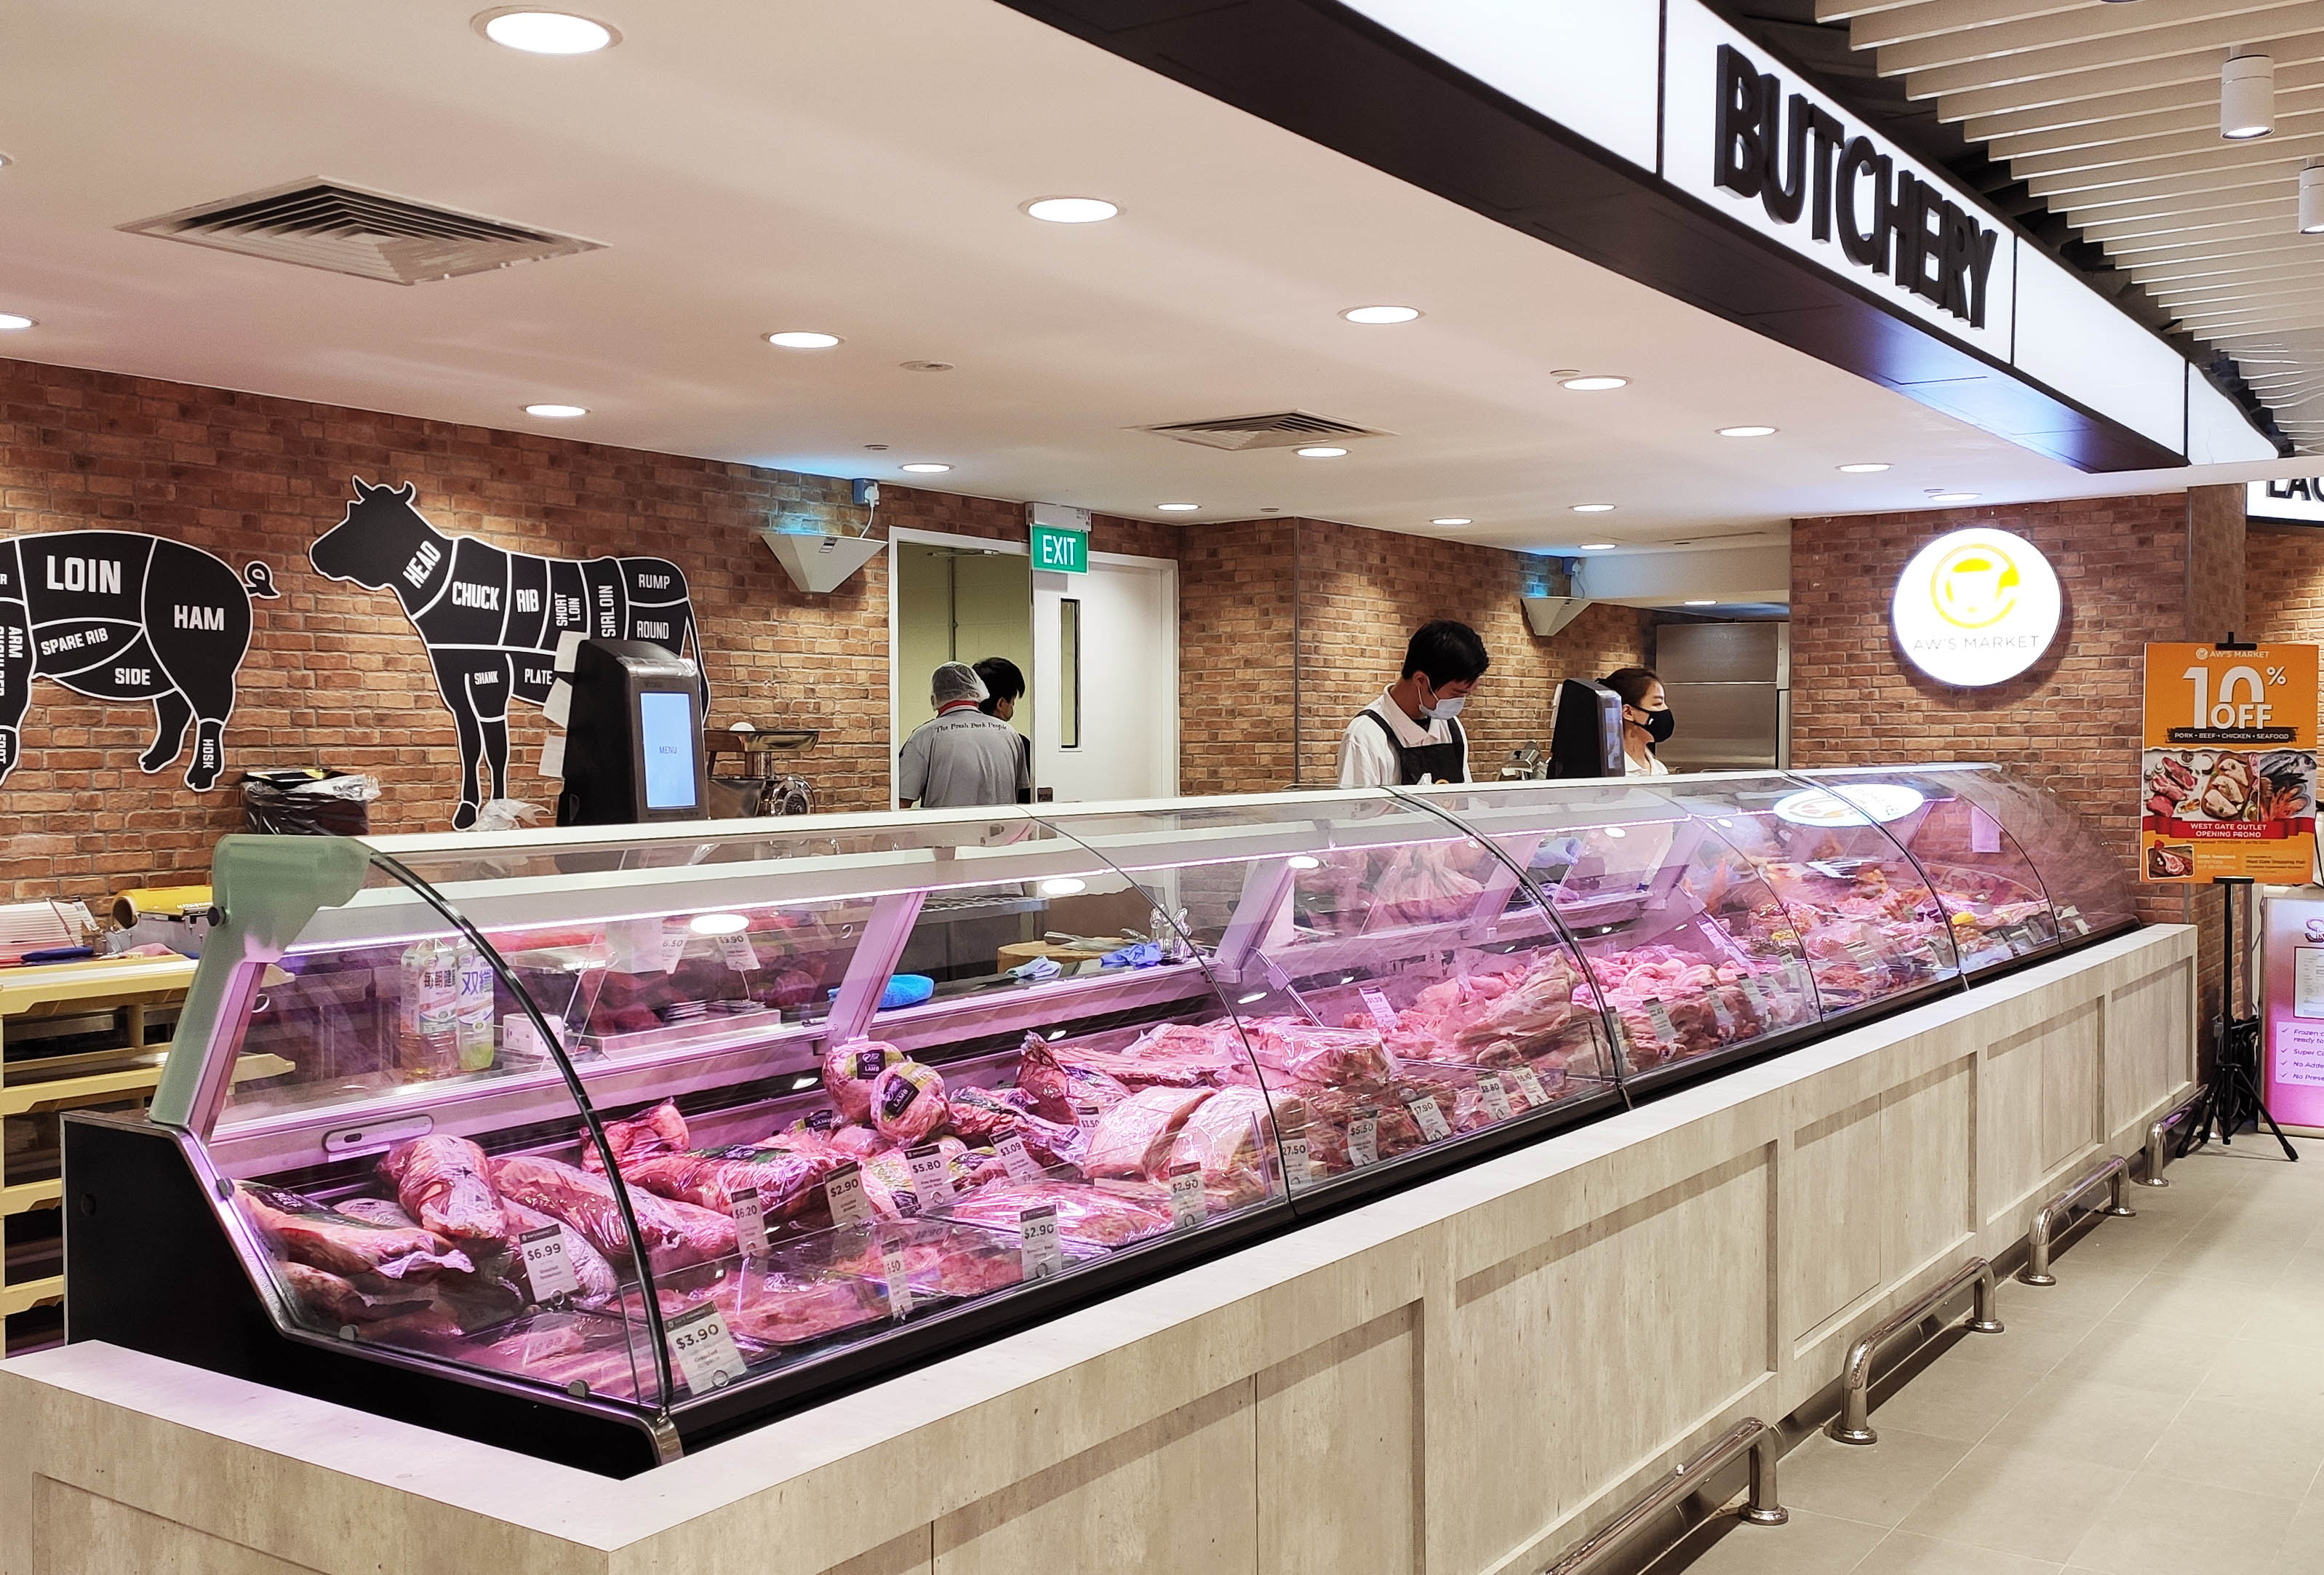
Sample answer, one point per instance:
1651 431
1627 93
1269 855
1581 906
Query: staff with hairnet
962 757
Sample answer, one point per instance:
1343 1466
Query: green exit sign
1060 550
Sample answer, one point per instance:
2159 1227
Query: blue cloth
1144 954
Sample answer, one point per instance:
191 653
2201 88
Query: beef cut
440 1181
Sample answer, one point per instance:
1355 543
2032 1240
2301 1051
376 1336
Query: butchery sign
2230 764
1975 607
117 615
490 619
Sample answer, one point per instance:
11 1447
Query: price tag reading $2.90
751 1217
1038 1253
1428 1117
1363 1138
706 1352
1529 1084
1187 1207
931 1177
546 1269
1020 1166
1495 1098
843 1189
1383 1014
900 1279
736 950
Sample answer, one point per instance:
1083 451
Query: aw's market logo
1976 607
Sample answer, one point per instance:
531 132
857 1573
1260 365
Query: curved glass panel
2089 886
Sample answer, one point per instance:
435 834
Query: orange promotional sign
2230 764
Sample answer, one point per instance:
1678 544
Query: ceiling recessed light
1597 547
927 467
802 340
1953 497
1452 520
1380 314
1747 432
12 321
1595 384
1178 508
2311 201
545 33
1702 603
556 413
1593 508
1071 210
1320 453
1868 467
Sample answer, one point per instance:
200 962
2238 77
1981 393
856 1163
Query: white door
1105 680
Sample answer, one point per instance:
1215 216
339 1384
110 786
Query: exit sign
1060 550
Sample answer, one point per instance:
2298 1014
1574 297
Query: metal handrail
1749 1434
2112 1170
2157 1150
1853 1425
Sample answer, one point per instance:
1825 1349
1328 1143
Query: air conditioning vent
318 224
1283 429
1715 536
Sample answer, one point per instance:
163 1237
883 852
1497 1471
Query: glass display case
606 1143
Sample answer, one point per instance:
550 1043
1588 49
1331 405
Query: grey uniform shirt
962 757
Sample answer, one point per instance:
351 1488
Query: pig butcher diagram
491 618
117 615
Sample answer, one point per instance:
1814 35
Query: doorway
1105 667
956 599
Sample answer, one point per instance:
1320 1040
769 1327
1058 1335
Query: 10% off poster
2229 767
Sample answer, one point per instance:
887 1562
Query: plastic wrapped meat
1057 1089
1096 1216
559 1349
304 1231
850 1069
1180 1055
441 1182
709 1178
1224 1136
1330 1112
1134 1137
978 1114
599 1282
1308 1053
584 1200
334 1300
940 1259
907 1103
1420 887
709 1235
659 1131
782 1308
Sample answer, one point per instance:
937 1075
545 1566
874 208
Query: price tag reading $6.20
705 1351
546 1269
843 1189
751 1218
1495 1098
1038 1253
1187 1207
1363 1138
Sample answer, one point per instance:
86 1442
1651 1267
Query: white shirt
1653 768
1366 758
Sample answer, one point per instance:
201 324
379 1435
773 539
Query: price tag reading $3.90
546 1269
736 950
1495 1098
843 1189
751 1217
931 1177
1363 1138
1187 1207
705 1353
1428 1116
1383 1014
1529 1084
900 1279
1038 1254
1020 1166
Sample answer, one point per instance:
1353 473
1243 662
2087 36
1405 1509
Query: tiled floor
2160 1408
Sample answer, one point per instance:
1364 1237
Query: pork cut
296 1227
584 1200
441 1182
1134 1137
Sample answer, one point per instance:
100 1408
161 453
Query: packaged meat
1056 1089
709 1235
559 1349
377 1212
1134 1137
941 1260
584 1200
1419 885
850 1069
1302 1052
979 1114
659 1131
302 1230
1110 1215
785 1178
907 1103
599 1282
441 1182
1225 1136
1181 1054
781 1307
330 1301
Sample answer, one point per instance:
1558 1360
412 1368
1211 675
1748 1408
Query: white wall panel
2075 340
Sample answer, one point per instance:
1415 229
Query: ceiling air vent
318 224
1283 429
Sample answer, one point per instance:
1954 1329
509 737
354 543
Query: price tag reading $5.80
1187 1207
843 1189
1038 1254
1428 1117
705 1353
900 1279
1020 1166
1529 1084
1383 1014
1495 1098
751 1217
546 1269
931 1177
1363 1138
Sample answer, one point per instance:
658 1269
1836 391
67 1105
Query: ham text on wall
117 615
491 618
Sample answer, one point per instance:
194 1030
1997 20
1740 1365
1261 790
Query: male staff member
1409 735
962 757
1004 685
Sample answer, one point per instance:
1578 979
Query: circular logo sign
1975 607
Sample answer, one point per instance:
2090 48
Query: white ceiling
753 165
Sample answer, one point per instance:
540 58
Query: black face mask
1658 724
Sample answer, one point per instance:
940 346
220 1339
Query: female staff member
1647 719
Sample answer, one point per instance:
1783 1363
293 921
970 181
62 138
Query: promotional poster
2229 767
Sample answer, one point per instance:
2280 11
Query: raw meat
599 1282
1304 1051
709 1234
304 1231
939 1259
849 1071
584 1200
782 1308
1181 1054
1134 1137
1420 887
1099 1216
441 1182
659 1131
377 1212
907 1102
1223 1136
336 1301
710 1177
1057 1089
559 1349
979 1113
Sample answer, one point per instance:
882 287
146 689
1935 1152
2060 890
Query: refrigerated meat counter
602 1144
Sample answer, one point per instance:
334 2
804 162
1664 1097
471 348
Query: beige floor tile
2086 1418
2247 1256
2286 1315
2016 1501
2199 1307
2304 1275
1878 1484
1959 1397
1808 1544
1908 1553
2236 1446
2302 1550
2268 1375
2088 1293
2155 1520
2153 1360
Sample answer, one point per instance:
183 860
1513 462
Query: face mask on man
1444 708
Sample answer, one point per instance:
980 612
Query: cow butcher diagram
117 615
491 618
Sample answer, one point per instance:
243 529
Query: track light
2311 201
2248 97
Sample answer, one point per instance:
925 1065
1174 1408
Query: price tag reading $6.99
546 1269
1187 1207
900 1279
1363 1138
736 950
844 1191
1529 1083
1383 1014
1428 1117
1020 1166
705 1353
751 1217
1038 1254
931 1177
1495 1098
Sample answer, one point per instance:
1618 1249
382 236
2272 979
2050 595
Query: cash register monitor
1585 737
634 737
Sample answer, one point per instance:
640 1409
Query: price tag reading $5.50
751 1217
1038 1254
1428 1117
736 950
931 1177
1187 1207
844 1191
1496 1097
705 1353
1020 1166
1529 1084
1383 1014
1363 1138
546 1269
900 1279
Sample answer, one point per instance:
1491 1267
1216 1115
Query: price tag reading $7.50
1383 1014
1298 1165
1495 1098
900 1279
1038 1254
1187 1207
705 1353
1428 1117
736 950
546 1269
844 1191
1529 1084
1363 1138
751 1216
1020 1166
931 1177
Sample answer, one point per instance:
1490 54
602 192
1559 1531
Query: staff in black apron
1409 735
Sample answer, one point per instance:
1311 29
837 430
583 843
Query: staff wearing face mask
1647 719
1407 736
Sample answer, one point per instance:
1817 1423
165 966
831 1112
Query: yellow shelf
25 1196
16 1299
61 1092
95 981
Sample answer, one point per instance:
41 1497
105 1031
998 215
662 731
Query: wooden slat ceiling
2109 114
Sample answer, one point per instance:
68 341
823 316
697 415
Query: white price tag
1495 1098
736 950
1038 1254
1363 1138
2073 916
1659 1016
1864 955
1087 1118
546 1269
900 1281
1756 992
1298 1167
843 1189
1383 1014
1428 1117
1187 1207
931 1177
673 946
1020 1166
705 1351
751 1219
1529 1083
